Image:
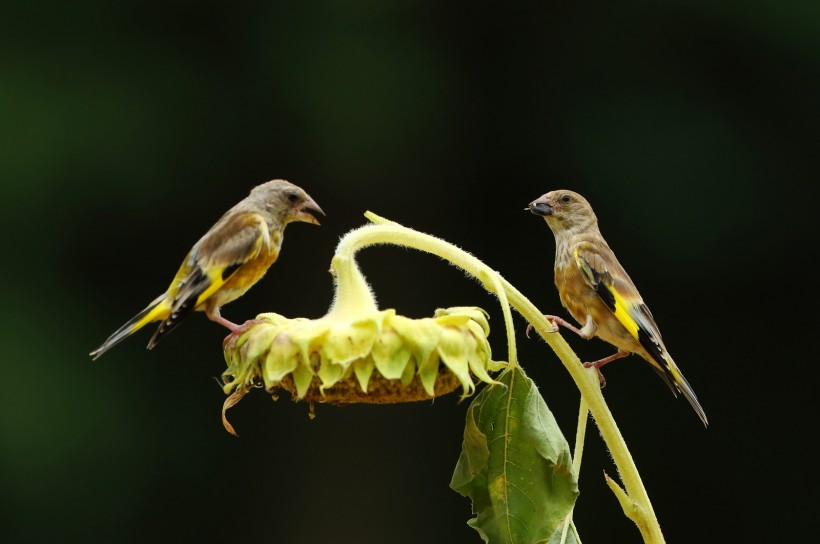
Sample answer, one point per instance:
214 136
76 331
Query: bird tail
158 309
171 320
674 377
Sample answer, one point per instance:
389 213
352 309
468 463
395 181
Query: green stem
388 232
580 433
577 455
353 295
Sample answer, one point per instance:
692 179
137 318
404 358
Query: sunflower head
377 358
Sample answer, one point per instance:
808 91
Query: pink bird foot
238 330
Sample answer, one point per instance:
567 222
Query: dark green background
127 128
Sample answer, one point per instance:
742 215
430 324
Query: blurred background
128 128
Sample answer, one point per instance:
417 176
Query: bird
596 290
229 259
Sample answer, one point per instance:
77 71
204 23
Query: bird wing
603 273
612 284
220 253
232 242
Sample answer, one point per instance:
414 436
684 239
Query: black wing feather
196 283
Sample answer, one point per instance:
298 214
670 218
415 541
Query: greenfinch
598 293
230 258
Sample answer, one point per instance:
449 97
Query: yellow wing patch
217 274
623 315
601 282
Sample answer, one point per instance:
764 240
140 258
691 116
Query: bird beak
540 207
302 212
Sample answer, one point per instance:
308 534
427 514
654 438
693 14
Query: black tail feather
129 328
177 315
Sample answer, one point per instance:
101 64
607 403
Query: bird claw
554 321
597 367
229 343
551 318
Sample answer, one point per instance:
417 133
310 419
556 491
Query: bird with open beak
227 261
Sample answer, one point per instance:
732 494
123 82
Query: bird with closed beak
598 293
227 261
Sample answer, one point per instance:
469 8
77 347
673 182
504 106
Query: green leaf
515 465
571 538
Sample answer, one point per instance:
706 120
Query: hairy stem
388 232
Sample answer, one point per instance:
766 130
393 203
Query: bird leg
601 362
224 322
557 322
586 332
236 330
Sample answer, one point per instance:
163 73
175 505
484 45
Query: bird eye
566 198
292 197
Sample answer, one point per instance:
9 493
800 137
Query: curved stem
353 294
512 352
388 232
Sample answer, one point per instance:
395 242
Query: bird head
288 202
563 208
301 206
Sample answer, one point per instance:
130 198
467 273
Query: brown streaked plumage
230 258
599 294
